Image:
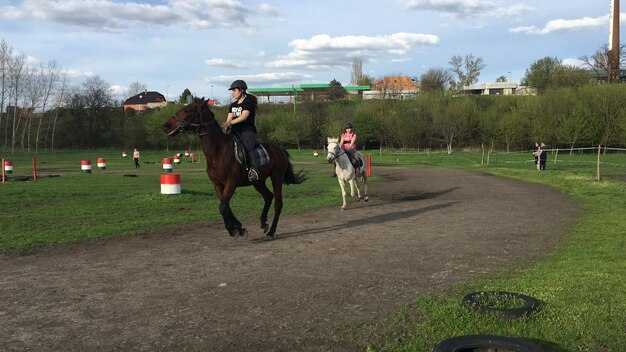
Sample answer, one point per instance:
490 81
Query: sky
203 45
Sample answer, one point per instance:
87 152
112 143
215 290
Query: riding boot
253 173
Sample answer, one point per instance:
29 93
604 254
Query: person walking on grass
136 158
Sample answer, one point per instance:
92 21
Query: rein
335 156
193 127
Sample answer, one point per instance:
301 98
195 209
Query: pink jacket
346 139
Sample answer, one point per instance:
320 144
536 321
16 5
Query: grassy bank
581 286
75 206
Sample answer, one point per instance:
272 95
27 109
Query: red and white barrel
193 157
187 153
8 167
177 159
315 153
167 165
85 166
124 154
170 184
102 164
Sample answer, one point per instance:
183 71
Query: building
497 88
305 92
144 101
393 87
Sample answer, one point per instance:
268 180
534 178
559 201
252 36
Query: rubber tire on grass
130 175
530 304
481 343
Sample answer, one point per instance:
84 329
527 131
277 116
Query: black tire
130 175
471 343
530 305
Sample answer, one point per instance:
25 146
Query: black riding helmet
348 125
238 84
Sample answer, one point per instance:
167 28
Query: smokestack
614 45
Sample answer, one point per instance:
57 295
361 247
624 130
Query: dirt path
424 231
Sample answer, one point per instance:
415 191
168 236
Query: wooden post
34 170
3 176
556 154
598 163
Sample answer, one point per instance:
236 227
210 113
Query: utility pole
614 45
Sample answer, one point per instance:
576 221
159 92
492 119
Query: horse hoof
265 228
367 198
243 233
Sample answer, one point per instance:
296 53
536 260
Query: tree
49 80
136 88
336 91
186 97
17 70
599 62
466 69
5 56
502 78
435 79
549 72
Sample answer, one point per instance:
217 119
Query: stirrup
253 175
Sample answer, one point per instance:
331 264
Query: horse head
333 149
190 119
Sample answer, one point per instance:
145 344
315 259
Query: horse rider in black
241 120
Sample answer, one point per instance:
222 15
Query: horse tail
291 178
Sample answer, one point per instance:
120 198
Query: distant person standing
543 157
536 153
136 158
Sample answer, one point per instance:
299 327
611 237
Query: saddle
261 154
355 160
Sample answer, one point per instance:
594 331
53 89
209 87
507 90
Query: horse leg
277 185
267 197
343 193
365 196
233 226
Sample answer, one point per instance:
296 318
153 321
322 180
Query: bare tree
50 76
5 55
17 69
64 83
357 70
33 90
599 61
466 69
136 88
435 79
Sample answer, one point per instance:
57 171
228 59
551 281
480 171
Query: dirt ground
194 289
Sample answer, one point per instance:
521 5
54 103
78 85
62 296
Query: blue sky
203 45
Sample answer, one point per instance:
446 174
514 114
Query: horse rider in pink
348 144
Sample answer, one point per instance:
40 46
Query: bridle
193 127
334 154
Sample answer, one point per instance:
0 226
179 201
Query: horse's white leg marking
343 193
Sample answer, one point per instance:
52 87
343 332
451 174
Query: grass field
581 285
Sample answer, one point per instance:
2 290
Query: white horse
346 172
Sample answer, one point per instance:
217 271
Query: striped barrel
85 166
315 153
124 154
176 159
170 184
8 167
186 153
167 165
102 164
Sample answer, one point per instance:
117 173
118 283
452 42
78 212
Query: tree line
41 110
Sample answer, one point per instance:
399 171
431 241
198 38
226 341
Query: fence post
598 163
556 154
3 176
368 160
34 170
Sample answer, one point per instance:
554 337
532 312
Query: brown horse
224 170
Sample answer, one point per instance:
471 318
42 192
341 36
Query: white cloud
564 25
224 63
262 79
468 8
268 10
573 62
324 51
110 15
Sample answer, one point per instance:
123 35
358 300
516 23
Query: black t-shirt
237 109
